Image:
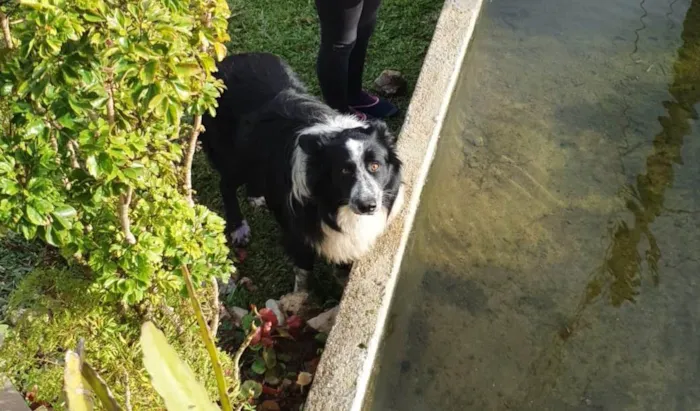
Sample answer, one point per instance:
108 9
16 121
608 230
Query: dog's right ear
310 143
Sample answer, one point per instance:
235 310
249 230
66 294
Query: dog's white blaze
329 125
366 185
358 235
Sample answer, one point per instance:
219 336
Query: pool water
555 259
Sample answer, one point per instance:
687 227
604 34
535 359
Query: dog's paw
240 237
257 202
301 280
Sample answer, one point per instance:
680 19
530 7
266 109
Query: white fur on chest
358 234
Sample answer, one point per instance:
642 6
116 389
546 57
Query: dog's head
352 165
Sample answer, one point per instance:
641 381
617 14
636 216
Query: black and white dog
333 182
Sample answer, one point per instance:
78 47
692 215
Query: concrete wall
343 374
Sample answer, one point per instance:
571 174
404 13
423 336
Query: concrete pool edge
344 372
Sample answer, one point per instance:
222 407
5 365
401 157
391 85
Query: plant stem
189 157
123 210
214 322
127 395
110 99
5 23
208 341
239 354
72 145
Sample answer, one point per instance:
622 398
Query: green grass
289 29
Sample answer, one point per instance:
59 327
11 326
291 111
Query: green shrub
96 158
56 308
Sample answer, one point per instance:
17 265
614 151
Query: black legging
346 27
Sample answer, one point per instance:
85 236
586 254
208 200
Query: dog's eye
346 171
373 167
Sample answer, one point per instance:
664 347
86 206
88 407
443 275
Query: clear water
555 260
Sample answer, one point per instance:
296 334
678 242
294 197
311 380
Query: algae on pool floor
553 261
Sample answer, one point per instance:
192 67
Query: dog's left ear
383 132
311 143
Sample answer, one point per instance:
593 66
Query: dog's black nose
367 206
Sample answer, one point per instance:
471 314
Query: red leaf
267 342
294 322
267 315
270 391
266 329
257 337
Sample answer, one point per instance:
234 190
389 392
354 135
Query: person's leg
339 23
359 99
365 29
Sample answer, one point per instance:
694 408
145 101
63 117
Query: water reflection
646 199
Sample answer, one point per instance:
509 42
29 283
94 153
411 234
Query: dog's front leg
303 257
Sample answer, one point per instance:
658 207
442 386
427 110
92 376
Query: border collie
333 182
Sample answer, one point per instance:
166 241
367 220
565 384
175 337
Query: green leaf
67 121
251 388
135 171
258 366
272 376
91 164
148 74
99 388
35 128
77 394
65 211
105 163
28 231
171 377
220 51
34 216
81 381
270 357
187 69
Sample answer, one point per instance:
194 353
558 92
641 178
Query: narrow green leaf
172 378
99 388
77 395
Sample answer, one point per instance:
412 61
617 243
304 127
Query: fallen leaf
270 405
267 390
248 284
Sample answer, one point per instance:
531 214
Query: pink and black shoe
373 106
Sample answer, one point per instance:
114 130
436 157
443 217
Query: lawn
289 29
